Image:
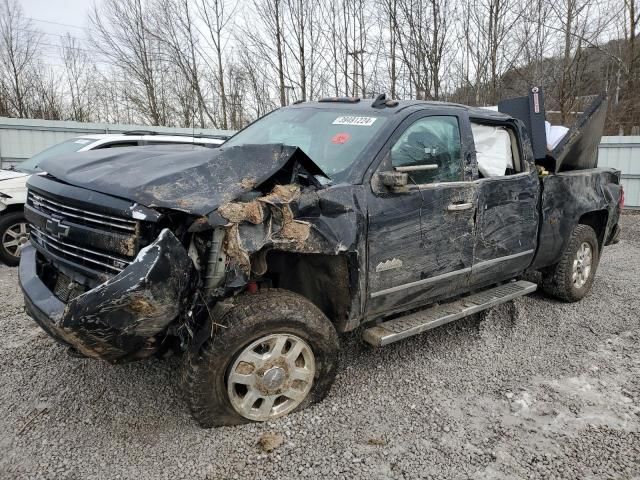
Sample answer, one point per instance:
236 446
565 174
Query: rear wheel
276 355
572 278
13 234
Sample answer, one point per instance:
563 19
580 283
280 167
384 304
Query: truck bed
590 196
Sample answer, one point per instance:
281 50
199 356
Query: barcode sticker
358 121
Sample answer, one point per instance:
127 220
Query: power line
58 23
153 55
52 34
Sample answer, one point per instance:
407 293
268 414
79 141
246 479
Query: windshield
333 139
68 146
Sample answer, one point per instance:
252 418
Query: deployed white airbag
493 149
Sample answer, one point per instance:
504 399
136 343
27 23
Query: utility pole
355 54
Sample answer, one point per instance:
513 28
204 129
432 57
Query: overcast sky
73 12
55 18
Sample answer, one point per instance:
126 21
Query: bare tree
578 29
236 94
19 44
267 40
217 16
257 99
79 77
298 19
422 33
334 34
121 33
389 10
46 100
631 33
174 30
490 45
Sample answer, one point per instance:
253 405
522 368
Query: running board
418 322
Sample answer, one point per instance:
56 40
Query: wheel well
598 221
322 279
14 207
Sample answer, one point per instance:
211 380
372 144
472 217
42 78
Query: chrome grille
81 216
90 258
66 289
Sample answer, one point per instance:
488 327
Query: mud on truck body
318 218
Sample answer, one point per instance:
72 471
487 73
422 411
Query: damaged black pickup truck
319 218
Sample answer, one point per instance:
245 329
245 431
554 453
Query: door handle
456 207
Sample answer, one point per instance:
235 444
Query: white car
13 190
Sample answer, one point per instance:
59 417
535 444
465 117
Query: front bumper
123 318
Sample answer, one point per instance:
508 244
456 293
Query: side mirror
394 180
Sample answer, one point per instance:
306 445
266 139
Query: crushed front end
123 279
100 274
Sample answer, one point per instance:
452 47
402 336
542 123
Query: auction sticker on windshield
358 121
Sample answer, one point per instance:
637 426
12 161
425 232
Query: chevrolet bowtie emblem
55 228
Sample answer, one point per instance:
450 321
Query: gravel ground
533 389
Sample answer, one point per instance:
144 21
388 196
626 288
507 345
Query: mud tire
252 317
557 281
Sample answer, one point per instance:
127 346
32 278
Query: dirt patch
292 229
377 441
248 183
126 245
142 306
270 441
281 194
245 368
234 250
183 203
237 212
286 229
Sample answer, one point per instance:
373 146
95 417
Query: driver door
421 240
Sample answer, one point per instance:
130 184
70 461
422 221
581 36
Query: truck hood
196 182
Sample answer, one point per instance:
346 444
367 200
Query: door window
433 141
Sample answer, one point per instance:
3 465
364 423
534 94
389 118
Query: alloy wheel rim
271 377
14 237
582 265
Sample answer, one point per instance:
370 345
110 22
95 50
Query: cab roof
391 107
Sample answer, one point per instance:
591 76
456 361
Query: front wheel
277 353
572 277
13 234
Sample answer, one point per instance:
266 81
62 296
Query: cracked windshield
332 139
